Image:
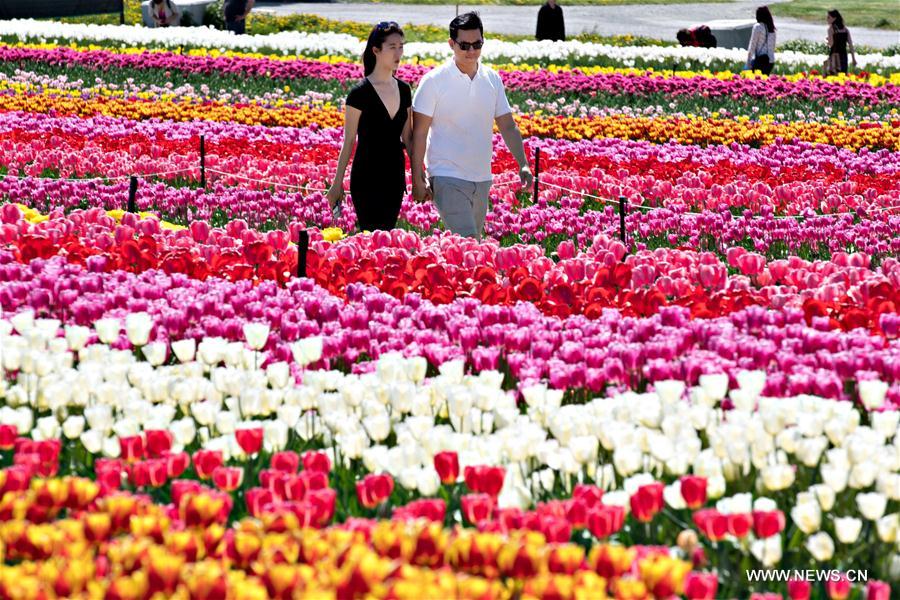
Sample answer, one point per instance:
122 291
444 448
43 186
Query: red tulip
739 524
878 590
647 501
207 461
159 442
286 462
132 448
256 499
250 440
176 464
576 513
316 461
589 494
839 588
477 507
604 521
768 523
693 490
701 586
8 435
228 479
314 480
374 489
485 480
432 509
711 523
323 500
798 589
447 466
182 487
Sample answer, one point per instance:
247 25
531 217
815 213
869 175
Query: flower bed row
572 52
453 448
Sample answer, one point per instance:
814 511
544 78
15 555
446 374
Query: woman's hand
335 193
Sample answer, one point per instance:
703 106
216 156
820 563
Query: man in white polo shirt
454 110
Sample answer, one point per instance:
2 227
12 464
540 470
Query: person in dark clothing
550 23
699 37
378 116
236 12
838 41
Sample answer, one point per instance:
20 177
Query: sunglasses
466 46
387 25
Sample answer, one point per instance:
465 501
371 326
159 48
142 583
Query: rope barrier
305 188
112 178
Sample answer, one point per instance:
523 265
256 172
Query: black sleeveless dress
839 47
378 174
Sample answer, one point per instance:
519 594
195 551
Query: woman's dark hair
376 38
838 19
764 16
469 21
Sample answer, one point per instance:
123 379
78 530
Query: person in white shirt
761 51
454 111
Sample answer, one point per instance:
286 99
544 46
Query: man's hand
422 191
526 177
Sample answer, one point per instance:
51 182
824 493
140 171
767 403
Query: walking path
650 20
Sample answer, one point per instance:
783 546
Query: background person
761 50
236 12
164 13
838 41
455 108
378 115
550 22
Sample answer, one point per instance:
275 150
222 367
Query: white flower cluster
315 44
395 419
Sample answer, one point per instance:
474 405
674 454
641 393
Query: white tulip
73 426
807 516
275 435
767 551
764 504
23 322
669 391
108 330
886 422
155 353
778 477
279 374
809 451
871 505
889 485
872 393
111 447
627 460
416 369
47 428
289 414
821 546
212 350
714 385
715 486
847 529
183 430
226 422
752 382
137 328
862 475
824 495
672 496
92 440
77 336
835 476
427 482
378 427
888 527
205 412
185 350
307 351
256 335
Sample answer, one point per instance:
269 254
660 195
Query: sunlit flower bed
553 412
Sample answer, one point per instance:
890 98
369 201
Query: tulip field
672 370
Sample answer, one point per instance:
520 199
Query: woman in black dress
378 116
838 41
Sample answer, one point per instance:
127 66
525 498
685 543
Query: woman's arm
407 135
754 43
850 45
830 39
351 123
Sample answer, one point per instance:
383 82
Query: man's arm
421 125
513 138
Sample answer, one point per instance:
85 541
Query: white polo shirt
460 141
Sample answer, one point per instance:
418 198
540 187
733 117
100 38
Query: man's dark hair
469 21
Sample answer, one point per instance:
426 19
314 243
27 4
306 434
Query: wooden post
122 12
132 195
302 249
537 174
203 161
622 219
